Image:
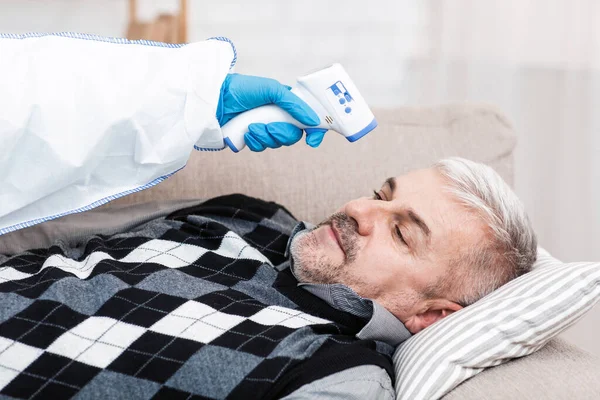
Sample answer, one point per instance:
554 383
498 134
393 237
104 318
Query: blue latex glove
241 93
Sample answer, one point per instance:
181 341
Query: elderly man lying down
233 297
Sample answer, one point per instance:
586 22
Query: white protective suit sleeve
86 119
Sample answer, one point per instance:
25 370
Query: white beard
310 265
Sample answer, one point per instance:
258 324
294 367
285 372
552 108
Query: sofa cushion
313 183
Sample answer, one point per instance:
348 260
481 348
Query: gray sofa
313 183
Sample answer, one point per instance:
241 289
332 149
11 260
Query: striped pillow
513 321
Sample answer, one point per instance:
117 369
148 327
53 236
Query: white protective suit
86 119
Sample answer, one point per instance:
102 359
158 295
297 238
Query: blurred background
536 60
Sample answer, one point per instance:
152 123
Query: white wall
536 60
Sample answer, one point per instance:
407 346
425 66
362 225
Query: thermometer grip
234 130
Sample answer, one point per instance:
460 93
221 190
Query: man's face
390 250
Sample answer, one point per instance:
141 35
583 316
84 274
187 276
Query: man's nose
366 212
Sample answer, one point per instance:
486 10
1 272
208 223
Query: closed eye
377 196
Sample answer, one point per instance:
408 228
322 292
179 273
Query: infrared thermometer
329 92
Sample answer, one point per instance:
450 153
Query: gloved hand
241 93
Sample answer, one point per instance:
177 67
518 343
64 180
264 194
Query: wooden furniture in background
167 28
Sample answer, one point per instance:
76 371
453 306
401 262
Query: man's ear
434 310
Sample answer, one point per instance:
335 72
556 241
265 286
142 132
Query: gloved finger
252 143
296 107
314 136
262 135
284 133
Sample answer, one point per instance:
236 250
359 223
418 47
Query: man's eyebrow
391 182
414 217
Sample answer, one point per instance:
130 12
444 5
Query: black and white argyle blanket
185 306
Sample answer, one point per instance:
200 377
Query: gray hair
511 247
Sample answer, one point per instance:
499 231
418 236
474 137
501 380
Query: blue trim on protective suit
207 148
224 39
88 207
87 36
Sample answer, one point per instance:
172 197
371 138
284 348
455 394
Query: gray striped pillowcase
513 321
